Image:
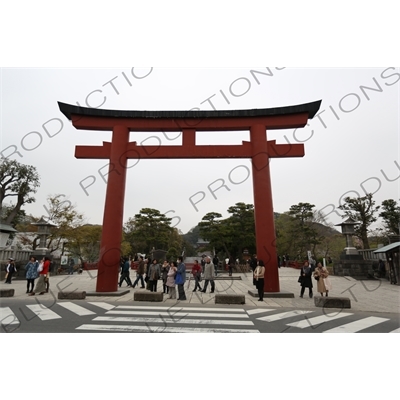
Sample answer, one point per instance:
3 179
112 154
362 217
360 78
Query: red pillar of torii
120 149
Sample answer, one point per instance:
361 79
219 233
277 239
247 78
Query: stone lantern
348 231
43 233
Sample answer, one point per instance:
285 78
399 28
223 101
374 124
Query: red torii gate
120 149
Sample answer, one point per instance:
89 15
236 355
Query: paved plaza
366 295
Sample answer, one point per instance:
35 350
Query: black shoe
202 291
194 290
301 296
212 291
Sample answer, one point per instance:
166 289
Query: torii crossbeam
120 149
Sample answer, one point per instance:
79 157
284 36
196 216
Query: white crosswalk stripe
75 308
288 314
259 311
312 322
7 317
102 305
175 314
174 321
176 309
357 326
160 329
43 312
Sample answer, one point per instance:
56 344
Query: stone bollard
332 302
76 295
229 299
7 292
142 295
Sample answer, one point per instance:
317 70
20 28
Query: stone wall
357 269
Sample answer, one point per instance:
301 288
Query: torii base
108 294
288 295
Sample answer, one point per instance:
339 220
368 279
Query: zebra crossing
319 321
172 320
100 316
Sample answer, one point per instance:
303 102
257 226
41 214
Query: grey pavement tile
368 295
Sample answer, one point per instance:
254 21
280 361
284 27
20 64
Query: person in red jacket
43 270
196 272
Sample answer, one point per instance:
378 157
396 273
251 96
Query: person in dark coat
181 272
10 269
231 265
306 281
31 274
125 268
259 277
382 269
253 266
154 275
164 273
140 272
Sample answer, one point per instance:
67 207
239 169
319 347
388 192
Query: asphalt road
50 316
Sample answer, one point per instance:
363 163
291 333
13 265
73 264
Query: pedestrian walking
47 264
125 273
10 270
196 272
139 273
173 267
71 266
323 283
203 263
231 263
382 269
31 274
209 276
259 273
253 266
180 278
147 264
305 279
216 263
164 275
43 270
154 275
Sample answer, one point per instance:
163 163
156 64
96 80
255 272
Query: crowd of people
34 269
172 274
320 274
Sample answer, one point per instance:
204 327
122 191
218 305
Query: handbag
40 268
300 280
316 277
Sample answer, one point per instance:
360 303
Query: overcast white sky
351 148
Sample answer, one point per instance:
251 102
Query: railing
17 255
369 254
